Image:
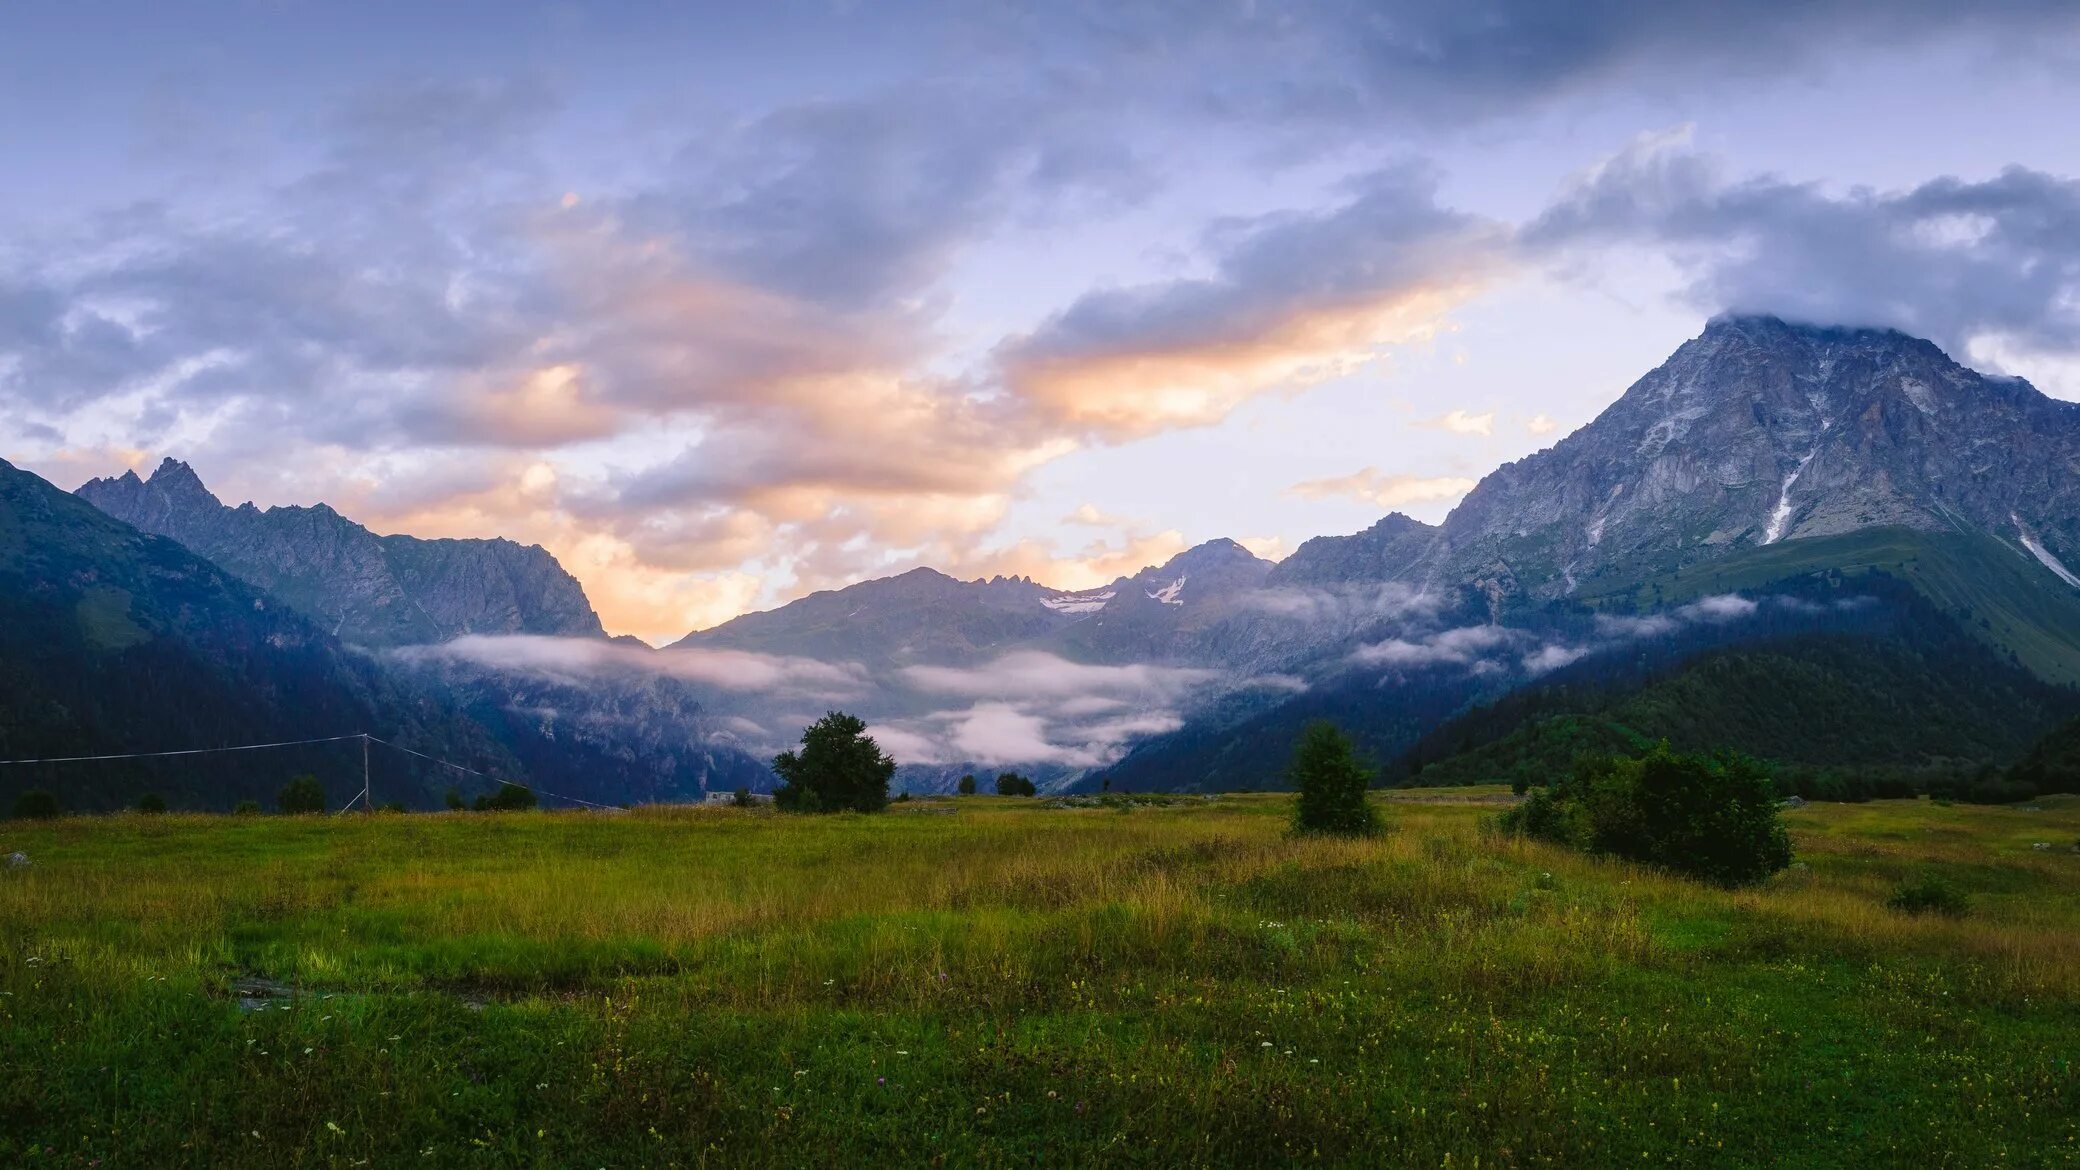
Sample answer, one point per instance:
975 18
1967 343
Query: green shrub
453 799
1929 894
246 808
1332 784
839 768
35 805
741 797
967 785
508 798
1712 817
301 796
151 802
1013 784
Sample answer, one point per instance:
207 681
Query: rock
17 860
2042 846
1792 802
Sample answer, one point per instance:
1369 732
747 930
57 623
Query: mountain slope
114 640
1912 694
368 590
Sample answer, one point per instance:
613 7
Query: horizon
726 309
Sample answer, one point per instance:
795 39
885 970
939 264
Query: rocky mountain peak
368 589
1758 431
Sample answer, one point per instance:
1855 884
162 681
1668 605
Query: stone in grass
1792 802
17 860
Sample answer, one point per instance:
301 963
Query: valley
993 980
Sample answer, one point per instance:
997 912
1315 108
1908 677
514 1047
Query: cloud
576 659
1033 674
1386 491
1463 646
1293 299
1552 657
1459 422
1993 261
1540 425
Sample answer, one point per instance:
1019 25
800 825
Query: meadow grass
994 981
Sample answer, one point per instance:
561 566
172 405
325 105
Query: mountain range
1811 510
370 590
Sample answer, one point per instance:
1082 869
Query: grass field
1011 984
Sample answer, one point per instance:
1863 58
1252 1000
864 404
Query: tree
510 797
453 799
302 795
967 785
838 769
35 805
1332 783
151 802
246 808
1712 817
1013 784
741 797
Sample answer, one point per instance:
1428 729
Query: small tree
741 797
1709 816
246 808
509 798
967 785
35 805
1332 783
454 801
151 802
838 769
302 795
1013 784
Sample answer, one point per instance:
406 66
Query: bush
151 802
301 796
741 797
509 798
1013 784
1332 784
35 805
838 769
453 799
1929 894
1712 817
967 785
246 808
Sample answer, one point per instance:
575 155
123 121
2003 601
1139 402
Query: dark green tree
509 798
453 799
838 769
302 795
967 785
246 808
1013 784
1713 817
35 805
1332 784
151 802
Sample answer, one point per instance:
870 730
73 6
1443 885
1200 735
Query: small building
731 798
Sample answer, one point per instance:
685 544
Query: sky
724 304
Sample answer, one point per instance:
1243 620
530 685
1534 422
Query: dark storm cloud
1949 259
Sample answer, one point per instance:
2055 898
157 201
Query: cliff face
365 589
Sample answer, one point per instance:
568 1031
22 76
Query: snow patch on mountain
1078 602
1170 594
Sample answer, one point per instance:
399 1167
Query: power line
361 796
243 747
472 771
